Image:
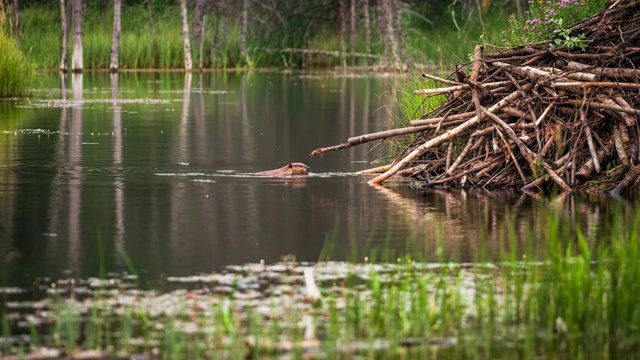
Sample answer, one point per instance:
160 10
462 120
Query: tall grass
577 296
16 72
436 43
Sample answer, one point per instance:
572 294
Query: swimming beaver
290 169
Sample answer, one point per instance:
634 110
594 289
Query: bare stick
513 157
437 120
461 156
617 141
557 179
629 120
450 89
448 158
606 106
479 167
444 81
321 151
524 150
544 114
587 133
541 180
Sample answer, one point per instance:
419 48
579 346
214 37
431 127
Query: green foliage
16 72
433 34
548 19
403 105
564 38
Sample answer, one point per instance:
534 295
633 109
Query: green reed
578 294
16 72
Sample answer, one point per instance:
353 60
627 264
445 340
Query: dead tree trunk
353 22
64 63
16 18
76 55
188 65
115 39
367 27
201 52
198 18
390 45
243 31
397 12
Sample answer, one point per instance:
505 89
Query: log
631 176
586 171
622 154
597 105
597 84
611 73
581 76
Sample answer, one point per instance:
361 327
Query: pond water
147 172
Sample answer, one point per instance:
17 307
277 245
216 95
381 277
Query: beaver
290 169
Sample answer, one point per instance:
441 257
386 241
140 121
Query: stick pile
534 117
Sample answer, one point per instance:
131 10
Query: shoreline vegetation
276 35
575 293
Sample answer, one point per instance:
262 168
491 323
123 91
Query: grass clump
16 72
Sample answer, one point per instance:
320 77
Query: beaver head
297 168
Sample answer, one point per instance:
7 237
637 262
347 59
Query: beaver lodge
535 117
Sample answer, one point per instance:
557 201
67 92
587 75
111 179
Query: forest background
258 33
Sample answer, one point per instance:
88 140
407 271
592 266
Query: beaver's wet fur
291 169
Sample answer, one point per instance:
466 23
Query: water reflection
147 166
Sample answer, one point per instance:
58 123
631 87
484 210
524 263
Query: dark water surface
146 170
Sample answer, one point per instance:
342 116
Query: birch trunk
188 65
76 55
201 52
115 39
64 63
